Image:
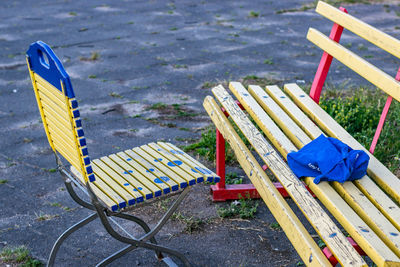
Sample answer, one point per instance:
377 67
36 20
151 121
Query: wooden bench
367 209
114 183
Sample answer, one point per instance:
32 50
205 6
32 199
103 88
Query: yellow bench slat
145 169
376 170
50 98
298 137
286 104
293 228
50 112
333 200
258 114
211 176
145 178
123 178
143 157
184 164
321 222
191 179
103 197
371 73
373 35
56 124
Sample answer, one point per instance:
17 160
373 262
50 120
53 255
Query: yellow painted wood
353 224
66 148
120 177
164 161
56 123
298 137
368 212
142 167
62 136
293 228
46 86
373 35
171 157
35 89
185 157
258 114
59 110
286 104
73 161
49 111
371 73
321 222
376 170
107 200
139 173
49 97
148 161
114 181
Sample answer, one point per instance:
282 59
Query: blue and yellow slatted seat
116 182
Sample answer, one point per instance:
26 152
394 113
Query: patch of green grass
358 111
254 14
208 85
181 112
362 47
72 13
192 224
18 256
44 217
244 208
158 105
173 29
180 66
275 226
116 95
269 61
3 181
92 76
233 178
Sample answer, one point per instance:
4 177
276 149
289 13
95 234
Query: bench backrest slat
364 30
371 73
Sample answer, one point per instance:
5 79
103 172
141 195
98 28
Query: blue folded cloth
328 159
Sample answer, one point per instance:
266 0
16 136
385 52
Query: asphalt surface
125 56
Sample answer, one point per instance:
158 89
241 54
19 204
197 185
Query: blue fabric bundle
328 159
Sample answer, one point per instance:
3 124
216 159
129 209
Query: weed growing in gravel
18 256
3 181
244 208
254 14
233 178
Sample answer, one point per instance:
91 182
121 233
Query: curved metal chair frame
147 240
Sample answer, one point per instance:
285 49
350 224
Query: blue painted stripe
175 187
192 182
78 123
89 170
76 113
86 160
183 185
210 179
80 132
92 178
131 202
114 208
167 190
149 196
74 104
122 205
157 193
139 199
82 142
216 179
85 151
200 180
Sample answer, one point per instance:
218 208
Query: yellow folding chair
114 183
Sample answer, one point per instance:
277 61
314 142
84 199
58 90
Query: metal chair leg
141 242
67 233
116 255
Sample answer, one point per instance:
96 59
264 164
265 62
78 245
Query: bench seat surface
368 212
142 173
